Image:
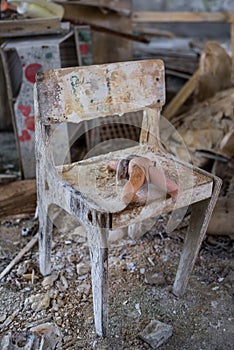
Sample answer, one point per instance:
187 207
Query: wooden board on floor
17 198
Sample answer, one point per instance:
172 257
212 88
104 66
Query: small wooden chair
86 190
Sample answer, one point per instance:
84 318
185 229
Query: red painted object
31 71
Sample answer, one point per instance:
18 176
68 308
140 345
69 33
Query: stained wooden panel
75 94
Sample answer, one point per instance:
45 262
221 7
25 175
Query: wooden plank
151 16
182 96
76 94
32 26
109 31
121 6
17 198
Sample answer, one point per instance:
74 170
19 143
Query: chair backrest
81 93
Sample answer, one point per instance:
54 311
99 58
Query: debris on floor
141 273
156 333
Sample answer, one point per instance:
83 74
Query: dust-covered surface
141 274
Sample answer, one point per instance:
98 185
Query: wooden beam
24 27
110 31
151 16
182 96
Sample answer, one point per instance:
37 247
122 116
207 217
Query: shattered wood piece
156 333
19 256
188 88
154 31
110 31
18 197
227 144
38 322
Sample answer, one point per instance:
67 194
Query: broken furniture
22 58
84 189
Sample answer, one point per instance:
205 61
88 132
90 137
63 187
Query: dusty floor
141 274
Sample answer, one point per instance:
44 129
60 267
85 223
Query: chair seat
91 178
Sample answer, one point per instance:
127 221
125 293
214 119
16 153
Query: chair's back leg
97 238
45 240
150 128
200 217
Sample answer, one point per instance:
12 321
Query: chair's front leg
45 240
97 238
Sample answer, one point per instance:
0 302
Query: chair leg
45 240
97 239
200 217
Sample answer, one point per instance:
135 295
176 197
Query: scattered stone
54 275
64 282
156 333
138 308
38 302
155 278
84 288
2 318
131 266
23 267
82 269
47 282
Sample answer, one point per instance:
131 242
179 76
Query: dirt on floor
141 274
